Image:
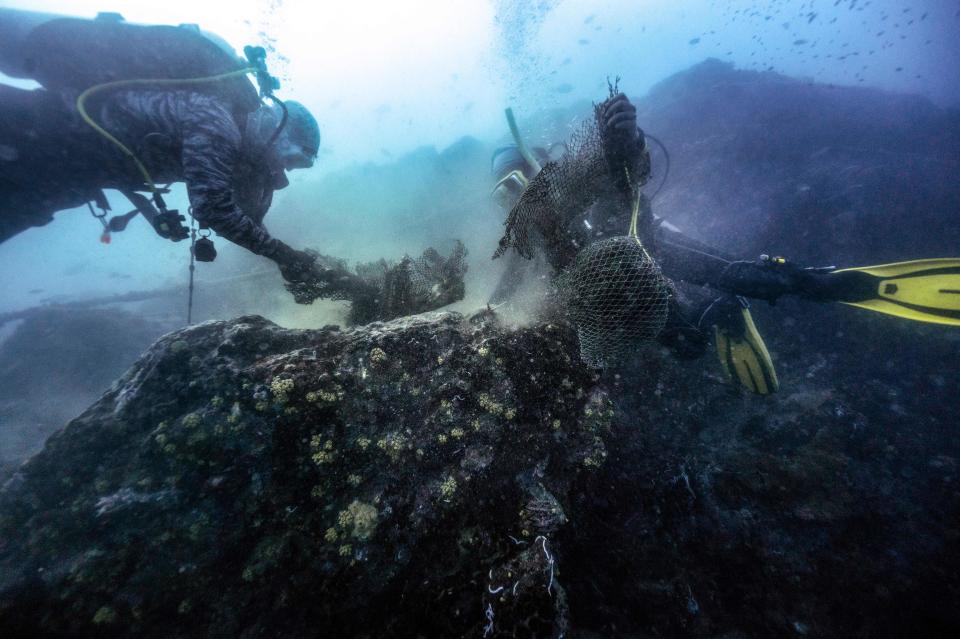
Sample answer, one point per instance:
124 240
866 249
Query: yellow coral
192 420
448 488
354 480
281 389
346 550
104 615
322 457
327 396
393 444
322 451
457 433
377 356
359 519
331 535
442 438
363 443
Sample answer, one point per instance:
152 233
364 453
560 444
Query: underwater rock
56 363
825 174
241 479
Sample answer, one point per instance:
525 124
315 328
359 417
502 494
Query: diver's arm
606 152
211 147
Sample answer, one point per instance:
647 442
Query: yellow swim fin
743 355
922 290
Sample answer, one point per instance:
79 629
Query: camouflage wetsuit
51 160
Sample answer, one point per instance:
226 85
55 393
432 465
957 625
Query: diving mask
509 189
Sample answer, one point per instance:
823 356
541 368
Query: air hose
126 84
524 151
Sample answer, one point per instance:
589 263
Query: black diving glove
305 279
623 144
772 277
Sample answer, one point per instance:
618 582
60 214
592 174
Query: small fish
799 42
694 41
583 41
566 87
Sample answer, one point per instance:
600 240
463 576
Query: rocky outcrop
443 476
240 479
826 174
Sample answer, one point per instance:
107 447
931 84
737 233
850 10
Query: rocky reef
401 478
440 475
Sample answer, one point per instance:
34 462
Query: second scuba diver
567 219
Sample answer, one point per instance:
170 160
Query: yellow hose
118 84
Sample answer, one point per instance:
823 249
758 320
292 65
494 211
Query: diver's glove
305 279
623 144
772 277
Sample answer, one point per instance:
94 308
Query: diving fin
922 290
742 352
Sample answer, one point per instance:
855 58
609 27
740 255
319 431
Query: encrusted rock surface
441 476
243 479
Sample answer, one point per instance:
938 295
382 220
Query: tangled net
382 291
614 291
616 296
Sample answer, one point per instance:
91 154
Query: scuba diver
558 207
129 107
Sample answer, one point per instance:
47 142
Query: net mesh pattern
381 290
616 295
541 219
612 288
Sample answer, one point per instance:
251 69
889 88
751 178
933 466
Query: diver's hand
305 279
620 116
623 144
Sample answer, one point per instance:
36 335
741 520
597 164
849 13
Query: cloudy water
489 318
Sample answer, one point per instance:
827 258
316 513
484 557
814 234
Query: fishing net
612 288
540 221
616 295
382 291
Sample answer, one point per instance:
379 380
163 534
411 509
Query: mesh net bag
616 295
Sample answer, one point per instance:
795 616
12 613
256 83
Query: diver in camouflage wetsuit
51 160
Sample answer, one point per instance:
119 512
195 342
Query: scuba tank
76 53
